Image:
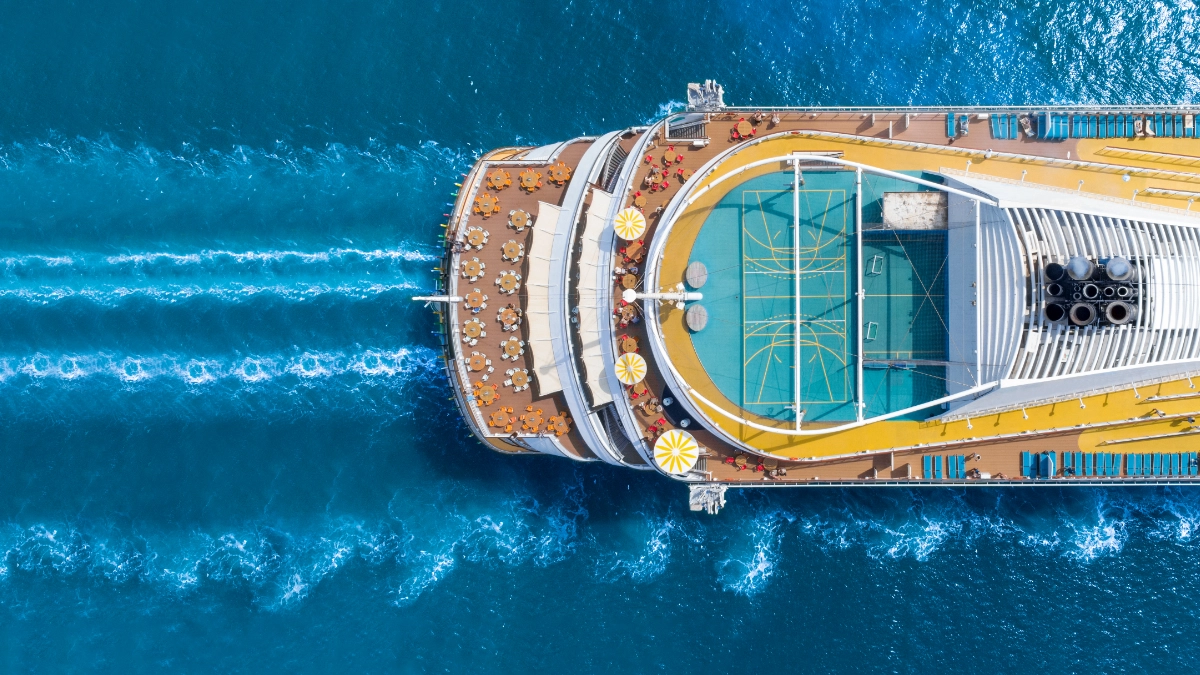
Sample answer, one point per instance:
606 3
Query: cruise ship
784 297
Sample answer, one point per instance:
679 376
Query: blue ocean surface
226 442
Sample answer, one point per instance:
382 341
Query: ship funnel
1080 268
1055 272
1119 269
1054 289
1083 314
1120 313
1056 313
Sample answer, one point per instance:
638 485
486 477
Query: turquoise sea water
225 441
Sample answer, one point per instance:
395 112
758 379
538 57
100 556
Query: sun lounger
937 467
1049 469
962 466
950 125
1175 464
1087 463
1067 464
1116 464
1101 463
1179 126
1158 464
1160 126
1135 465
999 126
1026 465
928 464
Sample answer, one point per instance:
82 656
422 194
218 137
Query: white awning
537 303
595 298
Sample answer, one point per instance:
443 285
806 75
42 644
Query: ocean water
225 441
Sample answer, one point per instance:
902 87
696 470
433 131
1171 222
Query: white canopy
537 305
595 297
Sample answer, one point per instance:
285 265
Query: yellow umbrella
630 224
676 451
631 368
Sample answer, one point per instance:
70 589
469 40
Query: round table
640 388
743 128
640 201
475 299
770 464
512 347
476 362
656 179
629 345
488 203
472 269
740 460
520 378
668 158
629 281
528 178
487 395
498 418
499 179
633 249
509 316
473 329
512 251
686 174
628 312
509 282
477 237
560 173
518 219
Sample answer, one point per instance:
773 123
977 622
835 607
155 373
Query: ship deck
752 300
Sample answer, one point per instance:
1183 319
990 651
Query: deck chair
950 129
1135 465
1067 464
928 464
1087 463
1158 463
1026 465
964 125
998 123
937 467
1175 464
1116 464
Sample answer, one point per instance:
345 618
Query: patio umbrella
631 368
676 451
629 224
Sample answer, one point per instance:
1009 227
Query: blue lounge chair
1112 126
1158 464
1049 470
962 466
1026 465
1179 126
950 128
1116 464
1067 465
998 122
1087 463
928 465
1193 464
1079 464
1160 125
1101 463
1135 465
1175 464
937 467
964 125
